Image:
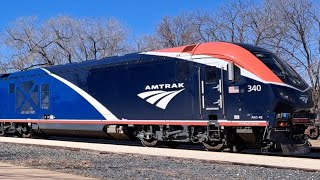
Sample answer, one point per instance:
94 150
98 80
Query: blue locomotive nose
290 99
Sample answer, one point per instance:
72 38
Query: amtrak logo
161 98
304 99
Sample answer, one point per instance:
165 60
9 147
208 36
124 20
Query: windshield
286 73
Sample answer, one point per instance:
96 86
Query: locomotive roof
240 54
132 58
94 63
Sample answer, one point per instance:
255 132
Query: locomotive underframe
219 137
213 136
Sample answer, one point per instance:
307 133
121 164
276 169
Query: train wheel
26 135
26 132
150 142
213 146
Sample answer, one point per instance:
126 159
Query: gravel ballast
129 166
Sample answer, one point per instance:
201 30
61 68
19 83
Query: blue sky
139 15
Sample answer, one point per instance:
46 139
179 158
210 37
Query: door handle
217 87
217 102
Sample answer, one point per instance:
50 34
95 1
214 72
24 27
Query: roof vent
189 48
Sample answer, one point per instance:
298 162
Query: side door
212 92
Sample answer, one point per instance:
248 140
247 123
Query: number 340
254 88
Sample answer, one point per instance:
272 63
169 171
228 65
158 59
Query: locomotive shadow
136 143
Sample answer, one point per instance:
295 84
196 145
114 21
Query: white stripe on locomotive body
96 104
149 93
164 97
155 98
164 101
216 62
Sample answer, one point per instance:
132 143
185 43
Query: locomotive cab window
45 96
281 69
211 75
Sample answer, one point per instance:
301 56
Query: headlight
285 96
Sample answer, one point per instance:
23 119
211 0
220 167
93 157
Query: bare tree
232 18
172 31
228 24
28 43
146 43
207 25
99 38
264 25
62 31
62 40
177 31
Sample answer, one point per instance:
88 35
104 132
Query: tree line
290 28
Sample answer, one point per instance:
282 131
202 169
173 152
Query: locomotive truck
223 95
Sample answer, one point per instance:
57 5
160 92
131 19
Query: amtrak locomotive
218 94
